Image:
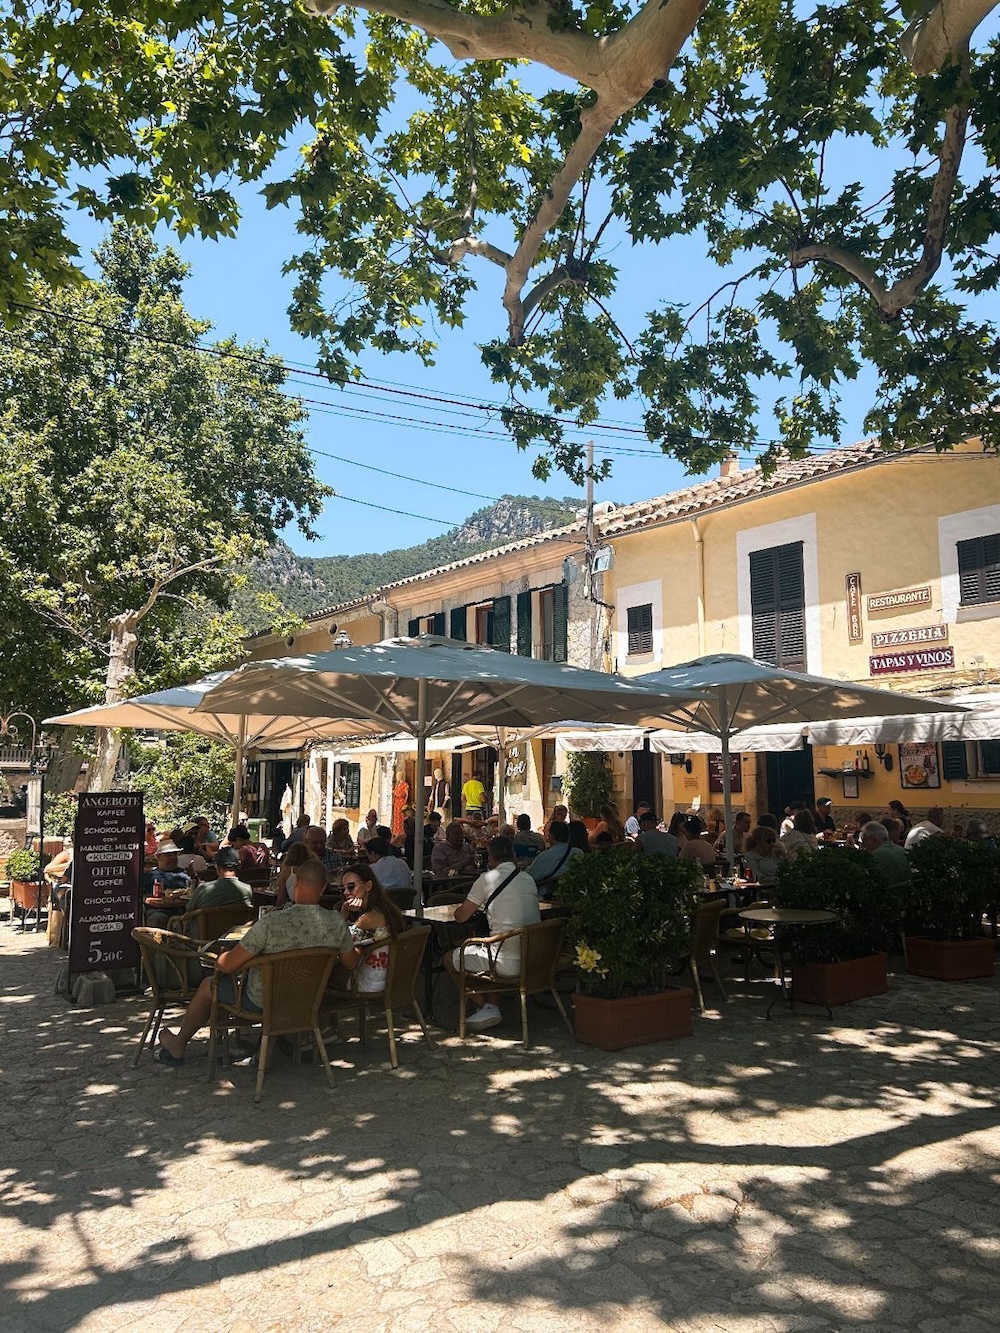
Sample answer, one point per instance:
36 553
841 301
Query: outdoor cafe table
786 920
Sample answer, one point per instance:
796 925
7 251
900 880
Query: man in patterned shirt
302 925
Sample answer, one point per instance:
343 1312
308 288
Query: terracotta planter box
949 960
614 1025
840 983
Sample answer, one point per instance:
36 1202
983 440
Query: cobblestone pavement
783 1175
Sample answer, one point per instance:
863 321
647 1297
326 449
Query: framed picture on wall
850 786
918 765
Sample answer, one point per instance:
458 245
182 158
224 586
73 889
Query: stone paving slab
758 1177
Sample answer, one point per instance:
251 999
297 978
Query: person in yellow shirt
474 796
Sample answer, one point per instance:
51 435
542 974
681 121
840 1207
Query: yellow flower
587 960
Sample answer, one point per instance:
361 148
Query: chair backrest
211 923
166 959
705 930
294 981
540 945
405 955
403 898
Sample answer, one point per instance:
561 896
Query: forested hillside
303 585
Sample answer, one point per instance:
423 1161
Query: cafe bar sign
899 601
855 627
919 659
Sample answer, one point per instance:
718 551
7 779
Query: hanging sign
715 773
900 601
893 638
106 902
855 627
921 659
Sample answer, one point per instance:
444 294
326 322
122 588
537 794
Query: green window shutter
438 623
414 629
524 624
500 638
778 606
351 774
560 623
458 623
954 760
979 569
640 628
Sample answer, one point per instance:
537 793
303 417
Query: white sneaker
487 1017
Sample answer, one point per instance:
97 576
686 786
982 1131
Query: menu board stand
106 898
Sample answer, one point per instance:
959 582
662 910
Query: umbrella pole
501 775
727 790
421 801
241 746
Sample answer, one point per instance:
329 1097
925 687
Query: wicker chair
211 923
294 981
167 960
540 947
405 955
750 941
704 938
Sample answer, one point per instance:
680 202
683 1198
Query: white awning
981 723
780 737
605 741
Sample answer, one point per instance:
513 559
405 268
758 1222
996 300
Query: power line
369 467
445 523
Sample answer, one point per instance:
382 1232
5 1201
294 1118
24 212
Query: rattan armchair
540 948
294 981
172 967
405 954
211 923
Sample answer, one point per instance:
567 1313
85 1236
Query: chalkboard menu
715 773
107 880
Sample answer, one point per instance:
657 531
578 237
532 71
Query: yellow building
865 566
855 564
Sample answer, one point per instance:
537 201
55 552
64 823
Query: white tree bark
941 38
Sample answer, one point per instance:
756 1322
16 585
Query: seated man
225 891
651 841
167 870
527 844
510 899
302 925
634 822
549 865
889 855
454 856
392 872
315 840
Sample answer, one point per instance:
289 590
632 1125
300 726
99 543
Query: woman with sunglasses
372 916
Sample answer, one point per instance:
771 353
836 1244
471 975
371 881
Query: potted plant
27 890
588 784
954 883
847 959
630 924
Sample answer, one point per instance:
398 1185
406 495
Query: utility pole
588 583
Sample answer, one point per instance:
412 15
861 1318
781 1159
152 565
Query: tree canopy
136 475
838 162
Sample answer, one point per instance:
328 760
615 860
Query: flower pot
949 960
614 1025
840 983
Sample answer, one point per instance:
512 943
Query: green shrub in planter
854 886
588 784
954 883
630 919
22 865
60 815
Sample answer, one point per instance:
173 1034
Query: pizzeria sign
920 659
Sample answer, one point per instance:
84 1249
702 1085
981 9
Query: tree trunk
64 763
121 664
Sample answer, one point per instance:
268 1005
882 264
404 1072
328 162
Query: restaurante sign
107 878
897 601
921 659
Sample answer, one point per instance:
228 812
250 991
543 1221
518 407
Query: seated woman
371 915
340 839
695 847
802 835
295 857
763 854
578 836
610 832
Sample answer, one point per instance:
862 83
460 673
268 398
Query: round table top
788 916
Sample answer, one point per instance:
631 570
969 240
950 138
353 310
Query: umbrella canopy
178 709
427 686
980 723
736 692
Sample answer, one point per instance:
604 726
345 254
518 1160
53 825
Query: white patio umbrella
736 692
428 686
178 709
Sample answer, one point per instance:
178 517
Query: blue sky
238 285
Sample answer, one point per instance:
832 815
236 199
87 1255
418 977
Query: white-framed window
965 538
788 533
639 623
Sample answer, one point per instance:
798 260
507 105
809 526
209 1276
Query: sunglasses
353 885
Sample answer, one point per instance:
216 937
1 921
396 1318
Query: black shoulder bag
479 921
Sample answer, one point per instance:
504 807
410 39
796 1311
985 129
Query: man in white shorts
515 905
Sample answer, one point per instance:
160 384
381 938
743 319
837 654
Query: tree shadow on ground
819 1173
